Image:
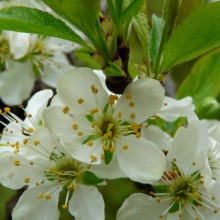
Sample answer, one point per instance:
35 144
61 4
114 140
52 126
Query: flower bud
209 108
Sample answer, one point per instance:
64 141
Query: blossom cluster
72 141
35 56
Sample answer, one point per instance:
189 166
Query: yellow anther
132 104
80 133
112 149
108 134
40 195
71 187
119 114
110 126
29 115
17 163
7 109
112 99
138 134
30 130
25 141
93 157
52 169
132 116
213 198
125 147
75 126
90 143
194 163
65 109
215 211
93 124
48 196
102 156
36 142
128 97
37 184
93 111
80 101
106 147
94 89
31 162
65 206
27 180
16 151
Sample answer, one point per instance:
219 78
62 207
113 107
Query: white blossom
96 126
181 193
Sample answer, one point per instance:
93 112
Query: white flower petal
213 127
57 122
189 147
38 102
13 91
30 207
19 44
53 72
109 171
14 169
141 207
142 161
142 99
83 152
87 203
76 85
156 135
173 109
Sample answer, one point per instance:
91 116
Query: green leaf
112 9
89 178
186 8
170 12
203 78
131 8
31 20
84 55
81 13
140 24
155 36
197 34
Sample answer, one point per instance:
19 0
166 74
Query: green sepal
161 188
175 207
169 127
90 118
113 70
90 138
89 178
108 156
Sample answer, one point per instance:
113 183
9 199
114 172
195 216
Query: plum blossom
49 171
181 193
17 133
99 127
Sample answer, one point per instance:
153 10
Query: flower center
184 191
4 50
65 171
